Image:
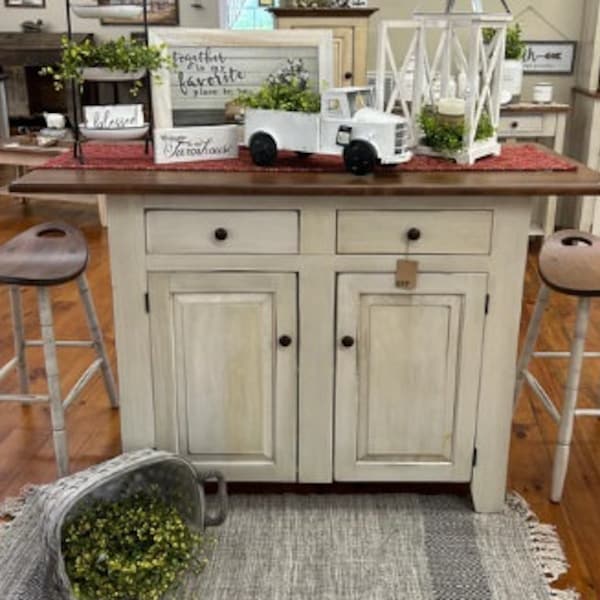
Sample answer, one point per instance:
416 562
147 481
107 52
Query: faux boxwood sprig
286 89
121 54
445 135
136 548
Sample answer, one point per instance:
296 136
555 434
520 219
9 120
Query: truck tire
263 149
360 157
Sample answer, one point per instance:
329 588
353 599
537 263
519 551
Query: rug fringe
546 545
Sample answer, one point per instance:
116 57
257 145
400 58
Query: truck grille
401 143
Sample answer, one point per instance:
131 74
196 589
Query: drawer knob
514 124
285 341
413 234
221 234
347 341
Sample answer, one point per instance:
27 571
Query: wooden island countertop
582 181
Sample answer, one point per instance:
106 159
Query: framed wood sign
212 66
114 116
550 58
190 144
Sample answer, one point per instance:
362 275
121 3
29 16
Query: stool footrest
8 367
552 354
24 398
63 343
587 412
81 382
540 392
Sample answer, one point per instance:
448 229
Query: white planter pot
512 77
104 74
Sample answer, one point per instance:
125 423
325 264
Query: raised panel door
217 353
407 388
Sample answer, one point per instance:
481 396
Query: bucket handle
217 515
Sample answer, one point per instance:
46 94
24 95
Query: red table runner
120 157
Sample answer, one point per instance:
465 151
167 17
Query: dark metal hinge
474 457
487 303
147 302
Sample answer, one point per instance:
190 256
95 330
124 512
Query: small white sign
114 116
549 57
191 144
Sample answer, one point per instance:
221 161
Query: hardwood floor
26 454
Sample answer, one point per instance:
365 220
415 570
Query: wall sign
549 58
191 144
212 66
114 116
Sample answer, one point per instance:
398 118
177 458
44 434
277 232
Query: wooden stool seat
570 263
44 255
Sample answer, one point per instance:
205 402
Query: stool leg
56 406
565 432
531 338
19 336
96 332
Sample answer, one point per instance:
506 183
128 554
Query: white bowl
109 11
114 135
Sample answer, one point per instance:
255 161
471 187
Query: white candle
451 107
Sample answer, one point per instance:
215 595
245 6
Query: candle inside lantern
451 107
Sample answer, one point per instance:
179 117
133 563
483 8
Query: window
245 14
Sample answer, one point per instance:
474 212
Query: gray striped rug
379 547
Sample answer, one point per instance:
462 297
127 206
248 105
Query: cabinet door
225 383
407 389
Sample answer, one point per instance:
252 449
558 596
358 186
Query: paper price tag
406 274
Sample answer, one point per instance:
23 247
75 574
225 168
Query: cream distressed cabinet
280 347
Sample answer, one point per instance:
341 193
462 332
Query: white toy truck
347 125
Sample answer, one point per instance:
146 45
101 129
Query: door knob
221 234
347 341
285 341
413 234
348 75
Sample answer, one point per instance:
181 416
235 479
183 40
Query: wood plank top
33 49
583 181
534 107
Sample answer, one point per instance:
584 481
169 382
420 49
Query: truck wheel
360 158
263 149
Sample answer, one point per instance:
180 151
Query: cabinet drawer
438 231
221 232
529 125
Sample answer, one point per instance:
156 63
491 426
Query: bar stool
569 263
43 256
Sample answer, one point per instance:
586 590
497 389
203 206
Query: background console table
260 330
527 121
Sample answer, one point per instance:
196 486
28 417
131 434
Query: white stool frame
50 344
566 418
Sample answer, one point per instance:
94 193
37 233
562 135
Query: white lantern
456 51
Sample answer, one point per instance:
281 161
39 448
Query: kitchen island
261 328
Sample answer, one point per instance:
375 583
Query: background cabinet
349 27
225 370
407 389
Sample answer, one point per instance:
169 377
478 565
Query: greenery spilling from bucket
136 548
447 135
286 89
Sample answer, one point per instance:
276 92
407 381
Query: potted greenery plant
116 60
445 136
512 68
